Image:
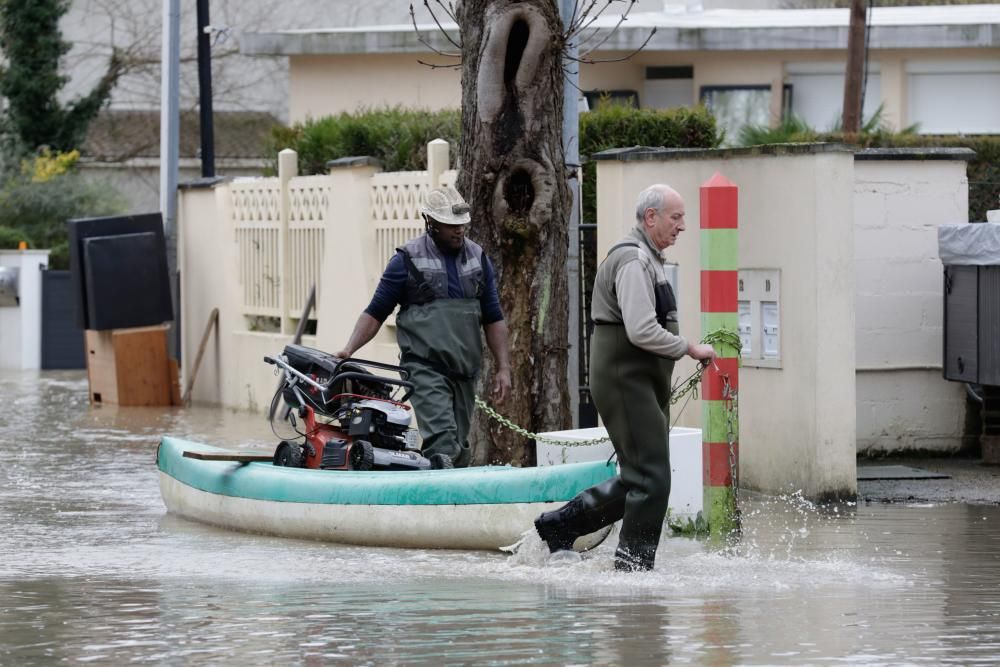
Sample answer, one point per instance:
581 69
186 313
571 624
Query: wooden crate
131 367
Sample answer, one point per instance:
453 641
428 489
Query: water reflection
92 569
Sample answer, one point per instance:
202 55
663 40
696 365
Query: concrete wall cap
205 182
354 161
917 153
659 153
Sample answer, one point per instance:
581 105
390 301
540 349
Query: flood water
92 569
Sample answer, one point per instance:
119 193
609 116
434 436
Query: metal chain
731 406
718 337
535 436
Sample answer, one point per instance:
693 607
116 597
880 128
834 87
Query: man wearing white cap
445 287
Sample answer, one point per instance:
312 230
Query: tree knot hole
519 192
517 41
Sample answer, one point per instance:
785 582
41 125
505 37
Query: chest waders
631 390
441 347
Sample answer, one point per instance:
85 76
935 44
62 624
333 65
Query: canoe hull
480 526
476 508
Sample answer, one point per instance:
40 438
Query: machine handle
364 377
300 375
403 373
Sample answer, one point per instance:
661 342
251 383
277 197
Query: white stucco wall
797 423
904 403
232 371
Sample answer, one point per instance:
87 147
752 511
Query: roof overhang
939 27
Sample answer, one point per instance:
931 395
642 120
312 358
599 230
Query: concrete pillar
720 383
437 161
350 244
21 323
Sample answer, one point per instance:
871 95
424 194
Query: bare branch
438 23
413 20
590 22
433 66
586 40
574 25
569 80
449 11
592 61
572 18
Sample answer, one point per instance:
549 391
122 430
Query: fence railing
280 227
256 221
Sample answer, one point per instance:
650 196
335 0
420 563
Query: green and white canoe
472 508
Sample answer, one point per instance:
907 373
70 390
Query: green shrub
395 136
619 126
38 210
791 130
10 238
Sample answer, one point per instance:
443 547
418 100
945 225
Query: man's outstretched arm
365 329
496 339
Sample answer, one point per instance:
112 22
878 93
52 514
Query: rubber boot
589 511
639 559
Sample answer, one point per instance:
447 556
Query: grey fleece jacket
624 293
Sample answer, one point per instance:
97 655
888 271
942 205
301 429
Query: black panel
63 344
961 303
989 325
123 287
84 228
670 72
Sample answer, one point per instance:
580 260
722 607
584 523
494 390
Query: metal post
719 282
169 146
571 145
205 91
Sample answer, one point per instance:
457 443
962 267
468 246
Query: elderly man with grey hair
636 341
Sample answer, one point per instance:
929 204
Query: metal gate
63 344
588 267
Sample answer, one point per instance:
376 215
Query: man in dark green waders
635 343
446 290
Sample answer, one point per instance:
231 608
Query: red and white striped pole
719 280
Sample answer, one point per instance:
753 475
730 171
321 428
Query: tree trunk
854 79
513 175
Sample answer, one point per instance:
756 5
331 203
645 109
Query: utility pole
571 144
854 81
205 91
169 146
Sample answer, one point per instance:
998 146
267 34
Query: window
669 87
818 92
624 97
736 106
957 96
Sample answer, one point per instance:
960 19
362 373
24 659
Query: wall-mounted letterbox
760 317
971 255
9 294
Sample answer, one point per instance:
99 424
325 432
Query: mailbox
9 294
971 257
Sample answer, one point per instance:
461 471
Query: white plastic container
685 462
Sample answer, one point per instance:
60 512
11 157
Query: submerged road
92 569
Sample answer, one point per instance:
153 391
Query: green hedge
618 126
983 170
397 137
